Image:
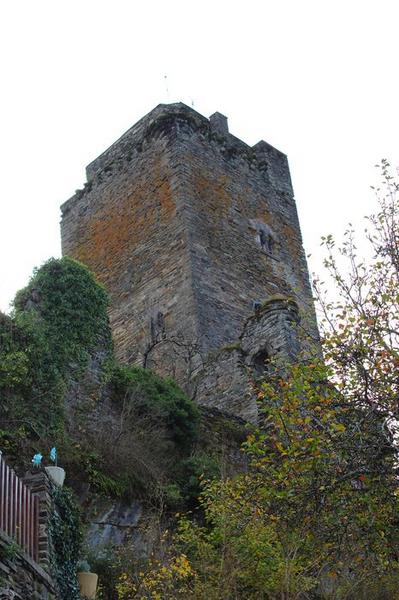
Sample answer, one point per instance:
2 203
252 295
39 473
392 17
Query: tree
316 514
361 330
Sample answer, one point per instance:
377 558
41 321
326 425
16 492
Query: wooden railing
19 511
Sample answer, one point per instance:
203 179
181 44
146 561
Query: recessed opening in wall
266 241
256 305
157 327
260 362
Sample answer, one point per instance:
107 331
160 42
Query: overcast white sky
318 79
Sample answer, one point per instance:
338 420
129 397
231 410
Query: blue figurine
53 455
37 460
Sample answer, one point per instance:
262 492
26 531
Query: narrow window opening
266 241
161 325
157 327
262 239
256 305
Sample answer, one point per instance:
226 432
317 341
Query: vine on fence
65 538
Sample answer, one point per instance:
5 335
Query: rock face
191 230
115 525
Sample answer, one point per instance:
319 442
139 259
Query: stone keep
195 235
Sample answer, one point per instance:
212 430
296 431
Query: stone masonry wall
229 377
244 237
21 578
127 226
190 229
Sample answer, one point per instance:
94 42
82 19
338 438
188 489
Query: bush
58 320
135 445
192 471
68 307
161 398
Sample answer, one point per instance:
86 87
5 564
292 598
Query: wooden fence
19 511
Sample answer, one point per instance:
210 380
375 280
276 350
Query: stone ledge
28 564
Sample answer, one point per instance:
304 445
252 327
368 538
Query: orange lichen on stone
171 223
121 225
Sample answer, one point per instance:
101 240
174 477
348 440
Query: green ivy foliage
65 538
9 551
14 362
58 319
29 386
65 305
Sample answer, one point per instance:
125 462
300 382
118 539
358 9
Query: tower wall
127 226
244 237
189 229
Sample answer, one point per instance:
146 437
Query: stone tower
195 235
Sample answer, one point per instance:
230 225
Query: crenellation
162 120
218 124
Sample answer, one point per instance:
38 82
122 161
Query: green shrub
59 318
68 307
59 321
191 471
162 399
